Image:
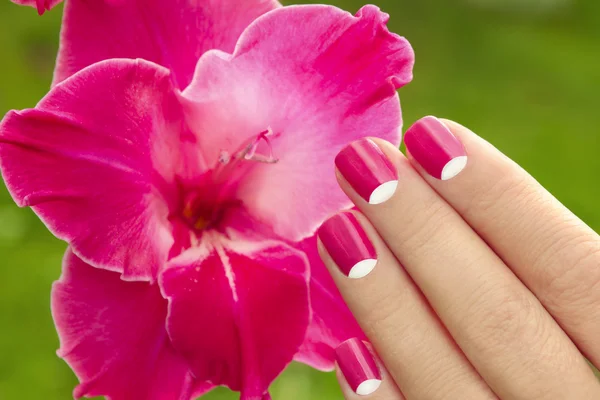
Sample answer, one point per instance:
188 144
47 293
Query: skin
486 287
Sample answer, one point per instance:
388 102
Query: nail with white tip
435 148
348 245
368 170
358 366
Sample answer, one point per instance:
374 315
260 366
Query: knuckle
506 318
425 226
391 317
383 314
485 199
572 276
435 380
515 331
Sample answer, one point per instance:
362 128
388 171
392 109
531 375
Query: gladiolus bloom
188 165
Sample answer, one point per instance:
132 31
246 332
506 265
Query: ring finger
411 341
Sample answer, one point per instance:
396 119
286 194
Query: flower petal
238 318
332 322
41 5
172 33
319 78
96 160
112 334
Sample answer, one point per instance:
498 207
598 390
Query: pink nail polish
438 151
358 366
348 245
368 170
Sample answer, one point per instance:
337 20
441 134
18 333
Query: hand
478 286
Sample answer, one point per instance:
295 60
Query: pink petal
319 78
172 33
41 5
238 318
332 322
112 334
96 159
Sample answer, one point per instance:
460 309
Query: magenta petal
332 322
319 78
96 161
172 33
112 334
41 5
238 318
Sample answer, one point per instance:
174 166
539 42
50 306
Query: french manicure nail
358 366
433 146
368 171
348 245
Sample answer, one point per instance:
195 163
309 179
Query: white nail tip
362 268
454 167
383 192
368 387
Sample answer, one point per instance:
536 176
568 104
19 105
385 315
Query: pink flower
190 196
41 5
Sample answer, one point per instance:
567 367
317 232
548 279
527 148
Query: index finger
553 252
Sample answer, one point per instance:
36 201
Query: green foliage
525 78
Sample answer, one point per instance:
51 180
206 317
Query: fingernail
348 245
358 366
433 146
368 171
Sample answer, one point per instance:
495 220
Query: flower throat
215 194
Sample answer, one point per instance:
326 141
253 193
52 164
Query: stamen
204 208
250 152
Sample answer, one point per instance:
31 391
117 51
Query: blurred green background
525 74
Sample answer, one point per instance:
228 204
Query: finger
360 375
553 252
502 328
411 341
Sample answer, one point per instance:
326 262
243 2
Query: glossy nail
368 171
434 146
348 245
358 366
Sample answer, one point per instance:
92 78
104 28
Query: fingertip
464 134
